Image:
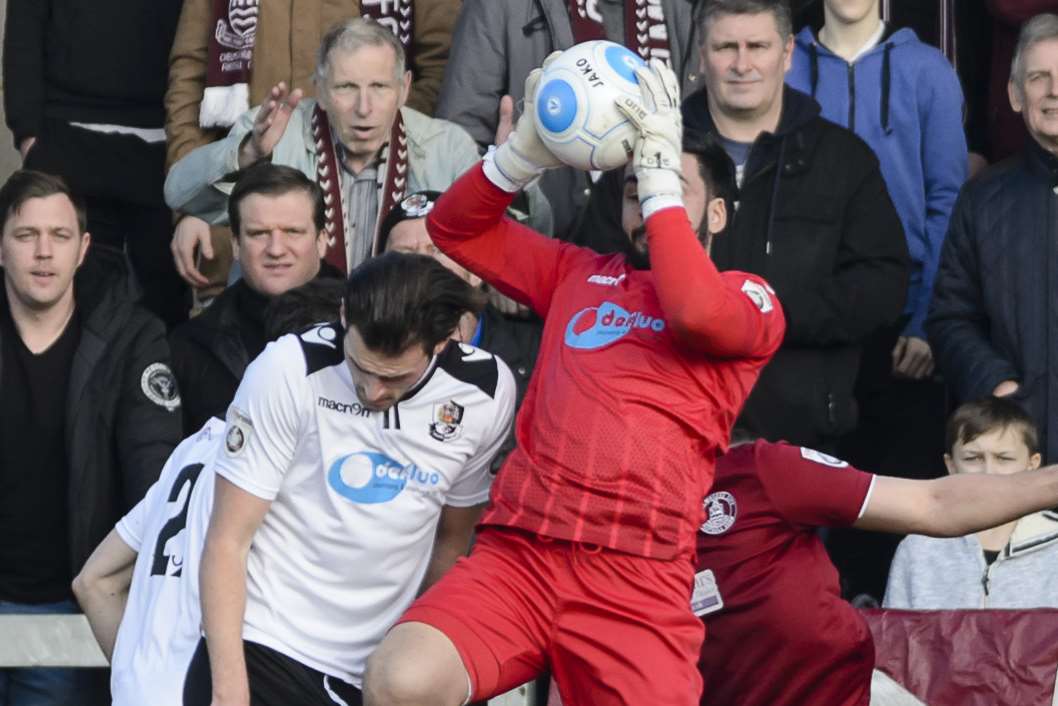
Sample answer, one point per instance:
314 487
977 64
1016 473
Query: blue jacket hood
904 99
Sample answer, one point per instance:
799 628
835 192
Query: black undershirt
34 540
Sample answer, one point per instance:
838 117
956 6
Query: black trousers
275 680
120 178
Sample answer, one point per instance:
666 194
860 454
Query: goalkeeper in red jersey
585 555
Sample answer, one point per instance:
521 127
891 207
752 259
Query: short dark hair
779 8
973 419
715 167
293 311
398 300
274 180
26 184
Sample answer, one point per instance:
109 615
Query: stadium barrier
67 641
969 657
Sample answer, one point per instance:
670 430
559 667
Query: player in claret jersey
584 560
779 632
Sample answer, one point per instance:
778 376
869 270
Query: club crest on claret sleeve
820 457
721 511
448 421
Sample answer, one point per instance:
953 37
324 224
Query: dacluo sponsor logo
368 477
598 327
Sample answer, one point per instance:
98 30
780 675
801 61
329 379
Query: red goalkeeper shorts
615 628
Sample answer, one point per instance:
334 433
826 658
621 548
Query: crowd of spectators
188 163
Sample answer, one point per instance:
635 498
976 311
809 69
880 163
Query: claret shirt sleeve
727 316
810 488
469 226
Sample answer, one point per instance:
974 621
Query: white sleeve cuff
867 498
653 204
498 176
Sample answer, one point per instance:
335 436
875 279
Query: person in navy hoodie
904 99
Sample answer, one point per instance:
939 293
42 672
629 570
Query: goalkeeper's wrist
508 169
658 189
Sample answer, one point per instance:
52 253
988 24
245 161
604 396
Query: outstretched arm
957 505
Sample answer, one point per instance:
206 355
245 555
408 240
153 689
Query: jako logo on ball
576 105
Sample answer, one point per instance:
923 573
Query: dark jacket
123 417
94 61
212 350
517 343
814 219
993 317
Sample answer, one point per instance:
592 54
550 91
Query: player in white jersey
355 465
160 542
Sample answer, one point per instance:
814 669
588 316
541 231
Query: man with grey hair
359 141
814 219
991 322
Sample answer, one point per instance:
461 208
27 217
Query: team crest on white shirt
721 511
448 421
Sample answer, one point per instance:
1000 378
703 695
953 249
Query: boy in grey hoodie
1011 566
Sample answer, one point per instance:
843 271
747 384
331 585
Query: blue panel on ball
624 62
556 105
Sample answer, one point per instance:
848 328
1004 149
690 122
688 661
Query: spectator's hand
25 146
912 358
269 124
505 124
656 159
1005 388
524 156
507 306
191 234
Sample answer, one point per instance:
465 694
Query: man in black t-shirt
88 414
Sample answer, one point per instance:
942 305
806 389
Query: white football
576 105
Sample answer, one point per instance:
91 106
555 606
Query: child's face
1001 451
849 11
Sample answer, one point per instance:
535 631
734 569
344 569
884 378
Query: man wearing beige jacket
279 38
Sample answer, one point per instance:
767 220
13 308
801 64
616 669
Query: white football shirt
162 622
356 494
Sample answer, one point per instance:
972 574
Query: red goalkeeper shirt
784 636
639 377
